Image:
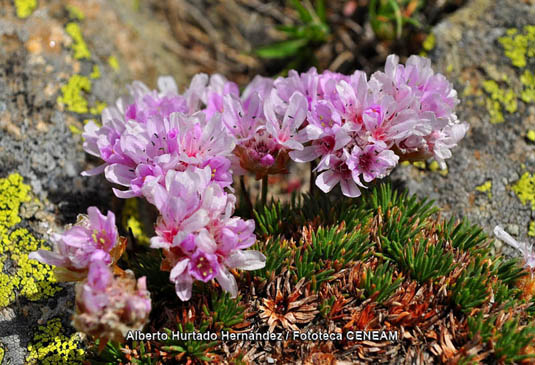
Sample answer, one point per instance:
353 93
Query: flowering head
110 306
262 155
371 162
203 266
93 238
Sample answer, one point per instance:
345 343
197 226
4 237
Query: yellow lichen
72 96
519 46
2 351
531 229
499 97
25 8
485 188
112 61
429 42
531 135
52 346
131 221
525 189
79 46
435 167
419 164
98 108
75 12
31 279
74 129
528 80
95 74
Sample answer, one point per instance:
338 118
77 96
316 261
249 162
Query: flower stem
312 176
246 195
264 190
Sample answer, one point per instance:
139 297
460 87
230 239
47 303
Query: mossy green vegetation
385 261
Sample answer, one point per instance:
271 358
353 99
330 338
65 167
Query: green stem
264 190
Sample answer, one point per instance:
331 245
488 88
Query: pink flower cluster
175 150
180 150
94 238
356 128
197 233
107 305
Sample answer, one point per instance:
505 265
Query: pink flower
339 172
199 237
326 133
371 162
151 132
282 122
107 307
93 238
305 84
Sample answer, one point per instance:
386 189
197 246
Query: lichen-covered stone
487 50
61 63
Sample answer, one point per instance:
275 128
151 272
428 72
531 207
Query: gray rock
469 52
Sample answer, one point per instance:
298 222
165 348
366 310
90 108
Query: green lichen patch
114 63
98 108
51 346
79 46
95 74
531 229
530 135
74 129
519 45
29 278
75 12
525 189
499 98
435 167
429 42
486 187
25 8
72 96
528 81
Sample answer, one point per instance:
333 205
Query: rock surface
60 63
488 50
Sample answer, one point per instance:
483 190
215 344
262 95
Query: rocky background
61 62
